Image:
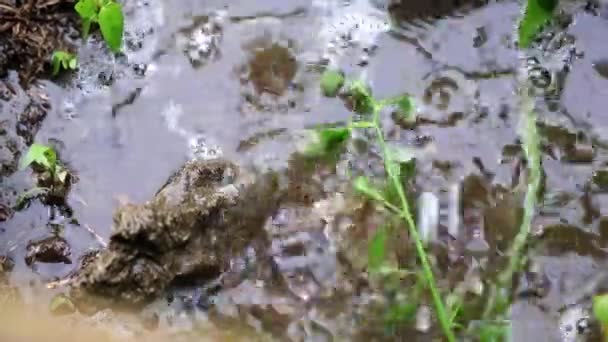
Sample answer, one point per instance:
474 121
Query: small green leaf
73 63
405 107
63 59
364 186
361 98
87 10
40 154
56 61
600 308
329 141
536 15
111 22
331 82
376 249
27 196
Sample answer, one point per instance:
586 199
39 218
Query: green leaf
27 196
111 22
87 10
405 107
536 15
329 141
362 101
63 59
376 249
40 154
86 27
73 63
600 308
331 82
56 61
364 186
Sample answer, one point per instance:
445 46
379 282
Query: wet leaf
87 10
40 154
361 98
111 22
27 196
493 332
536 15
376 249
331 82
73 63
600 308
63 59
329 141
405 107
402 313
364 186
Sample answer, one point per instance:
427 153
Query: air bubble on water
201 149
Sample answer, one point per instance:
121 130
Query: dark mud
239 80
29 33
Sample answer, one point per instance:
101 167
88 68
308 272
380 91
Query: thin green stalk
442 315
530 138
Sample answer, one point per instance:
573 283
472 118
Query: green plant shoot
63 60
331 82
87 10
600 308
108 14
39 154
111 22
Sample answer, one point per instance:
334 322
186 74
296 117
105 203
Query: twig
97 237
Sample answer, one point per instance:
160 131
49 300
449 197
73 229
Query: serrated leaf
111 23
331 82
600 308
536 15
377 249
39 154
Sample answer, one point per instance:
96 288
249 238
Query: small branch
97 237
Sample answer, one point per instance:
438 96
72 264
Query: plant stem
531 148
442 315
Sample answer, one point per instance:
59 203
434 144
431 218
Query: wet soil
239 80
31 31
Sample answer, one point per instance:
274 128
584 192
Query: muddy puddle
239 80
